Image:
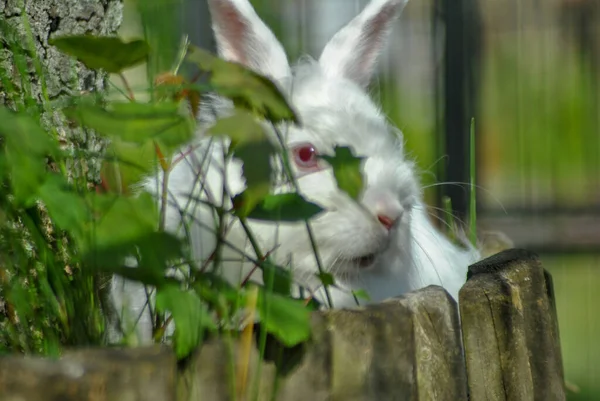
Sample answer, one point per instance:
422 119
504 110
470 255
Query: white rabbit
386 245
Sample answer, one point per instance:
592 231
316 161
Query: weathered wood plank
134 374
407 348
510 331
441 372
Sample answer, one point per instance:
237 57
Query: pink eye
305 156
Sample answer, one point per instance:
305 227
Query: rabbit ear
242 37
353 51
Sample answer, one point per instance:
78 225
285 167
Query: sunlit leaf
160 20
190 315
287 319
289 207
361 294
241 127
286 359
346 169
127 163
108 53
137 122
246 88
136 130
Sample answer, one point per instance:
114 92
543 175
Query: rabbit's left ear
353 52
244 38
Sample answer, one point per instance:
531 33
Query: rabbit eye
305 156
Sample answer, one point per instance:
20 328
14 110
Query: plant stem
262 341
163 200
185 42
127 87
230 349
472 203
447 202
286 164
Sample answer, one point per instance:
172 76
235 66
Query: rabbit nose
386 221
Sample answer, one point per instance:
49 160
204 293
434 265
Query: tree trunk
36 79
26 27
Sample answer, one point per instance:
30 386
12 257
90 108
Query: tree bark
37 80
26 27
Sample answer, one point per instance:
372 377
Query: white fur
335 110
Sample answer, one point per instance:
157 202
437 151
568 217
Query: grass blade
472 192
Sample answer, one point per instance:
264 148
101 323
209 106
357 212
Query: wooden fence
407 348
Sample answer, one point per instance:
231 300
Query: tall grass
46 299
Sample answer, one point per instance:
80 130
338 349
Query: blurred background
527 70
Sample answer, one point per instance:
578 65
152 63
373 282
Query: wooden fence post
510 331
99 374
406 348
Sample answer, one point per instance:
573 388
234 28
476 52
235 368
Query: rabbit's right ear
244 38
353 52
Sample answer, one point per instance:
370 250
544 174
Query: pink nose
386 221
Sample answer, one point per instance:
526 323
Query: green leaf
256 157
155 251
257 170
108 53
125 227
361 294
137 274
213 288
160 21
252 147
241 128
190 315
288 207
246 88
122 219
19 295
135 130
285 359
66 207
26 147
346 169
137 123
276 278
126 164
287 319
326 279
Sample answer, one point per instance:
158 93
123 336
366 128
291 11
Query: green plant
46 299
93 221
106 227
60 240
159 127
